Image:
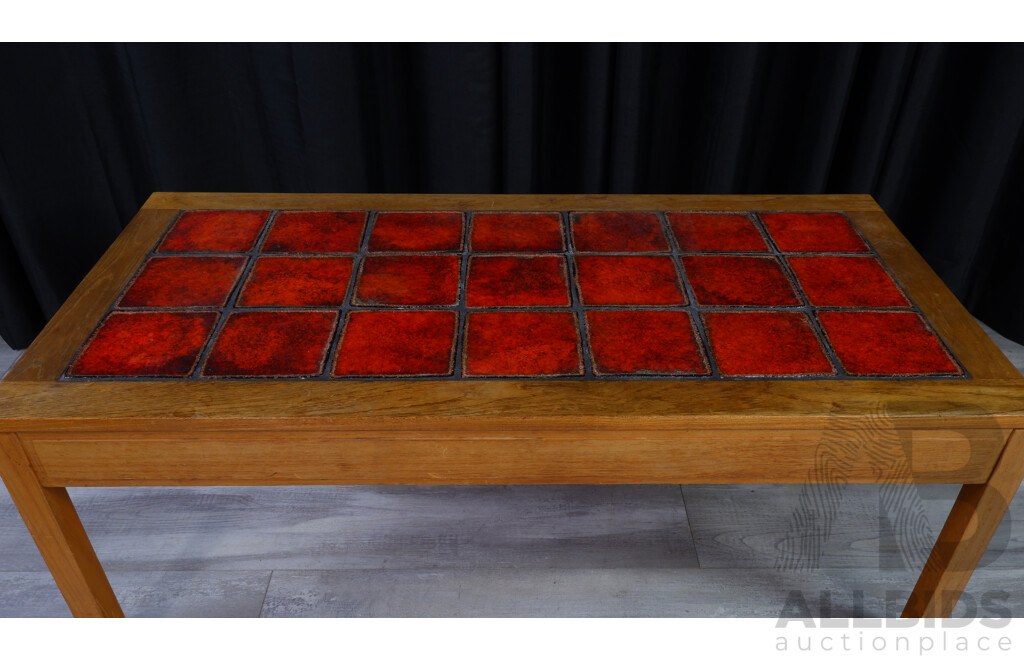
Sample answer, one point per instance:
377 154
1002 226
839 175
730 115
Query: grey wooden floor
508 550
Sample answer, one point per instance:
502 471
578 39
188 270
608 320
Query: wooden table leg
972 522
54 524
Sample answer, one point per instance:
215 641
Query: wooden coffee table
244 339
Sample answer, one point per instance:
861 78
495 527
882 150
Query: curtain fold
933 131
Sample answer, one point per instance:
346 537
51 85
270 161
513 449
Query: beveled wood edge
52 350
945 456
468 408
971 345
559 432
323 201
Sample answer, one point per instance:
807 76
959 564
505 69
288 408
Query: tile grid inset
913 305
577 307
229 306
691 298
872 253
806 306
346 304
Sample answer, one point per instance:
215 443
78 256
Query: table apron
744 456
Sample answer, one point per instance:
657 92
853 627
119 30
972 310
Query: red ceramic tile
184 282
405 343
146 344
739 281
297 282
846 282
408 280
433 231
885 344
315 231
533 281
617 232
271 344
813 232
214 231
716 232
644 342
629 280
522 344
765 344
517 232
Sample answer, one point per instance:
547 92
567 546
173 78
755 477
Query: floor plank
614 593
768 526
145 594
371 527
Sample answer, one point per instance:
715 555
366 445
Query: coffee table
276 339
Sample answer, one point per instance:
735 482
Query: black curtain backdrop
934 132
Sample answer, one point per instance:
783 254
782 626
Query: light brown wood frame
58 434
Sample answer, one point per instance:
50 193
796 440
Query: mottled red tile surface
297 282
846 282
184 282
617 232
214 231
408 280
285 343
502 294
813 232
397 343
517 232
315 231
885 344
520 281
765 344
716 232
644 342
629 280
738 281
395 231
522 344
145 344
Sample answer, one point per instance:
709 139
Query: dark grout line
462 322
576 297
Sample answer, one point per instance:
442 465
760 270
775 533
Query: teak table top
235 339
591 384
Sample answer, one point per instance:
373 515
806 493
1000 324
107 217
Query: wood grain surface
251 458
